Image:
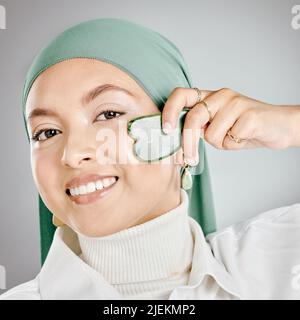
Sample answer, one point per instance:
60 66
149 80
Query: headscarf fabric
155 63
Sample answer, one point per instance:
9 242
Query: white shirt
256 259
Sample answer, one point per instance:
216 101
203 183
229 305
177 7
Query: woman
125 230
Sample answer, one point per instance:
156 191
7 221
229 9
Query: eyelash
36 135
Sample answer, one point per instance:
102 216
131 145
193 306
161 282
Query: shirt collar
65 276
204 263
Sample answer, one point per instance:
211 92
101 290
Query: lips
88 198
85 179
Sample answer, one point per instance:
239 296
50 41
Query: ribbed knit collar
152 256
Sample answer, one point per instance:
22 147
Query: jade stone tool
150 142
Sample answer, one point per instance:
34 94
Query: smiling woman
115 229
70 93
130 230
85 83
64 143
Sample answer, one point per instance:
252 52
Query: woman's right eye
44 134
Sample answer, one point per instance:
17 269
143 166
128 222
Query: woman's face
73 127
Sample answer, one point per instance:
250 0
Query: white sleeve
263 253
25 291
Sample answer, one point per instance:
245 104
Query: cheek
115 146
149 179
43 167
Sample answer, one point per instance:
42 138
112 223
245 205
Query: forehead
71 78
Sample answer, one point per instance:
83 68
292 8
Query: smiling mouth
92 187
90 193
93 191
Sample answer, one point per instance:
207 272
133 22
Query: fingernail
191 162
167 128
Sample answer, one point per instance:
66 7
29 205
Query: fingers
243 128
197 118
223 120
179 98
190 138
227 110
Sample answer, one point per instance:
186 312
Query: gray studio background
249 46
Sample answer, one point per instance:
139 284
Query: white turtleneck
146 261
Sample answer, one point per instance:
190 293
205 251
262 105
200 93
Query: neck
155 255
174 200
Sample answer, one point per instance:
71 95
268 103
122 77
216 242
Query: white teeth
112 180
99 185
106 182
82 190
76 191
92 186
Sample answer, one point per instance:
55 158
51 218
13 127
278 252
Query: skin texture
143 191
262 124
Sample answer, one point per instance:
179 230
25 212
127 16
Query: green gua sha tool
150 142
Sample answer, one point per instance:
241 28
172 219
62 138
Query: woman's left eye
108 115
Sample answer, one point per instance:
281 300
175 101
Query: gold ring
235 138
199 94
208 110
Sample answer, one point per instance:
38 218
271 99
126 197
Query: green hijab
155 63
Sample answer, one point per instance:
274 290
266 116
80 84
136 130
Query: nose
78 151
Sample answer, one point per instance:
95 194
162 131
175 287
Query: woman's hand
262 124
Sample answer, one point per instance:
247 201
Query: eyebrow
101 89
87 98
